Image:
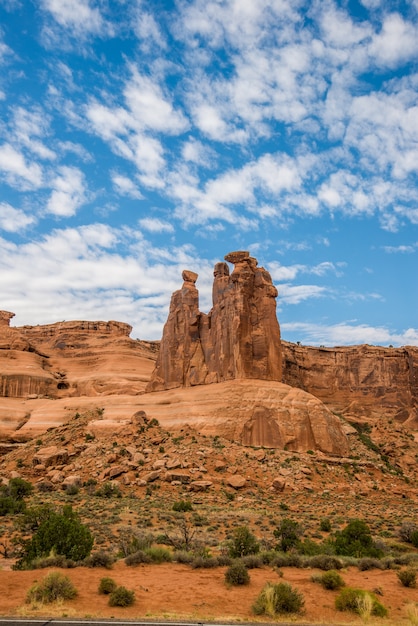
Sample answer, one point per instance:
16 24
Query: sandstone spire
238 338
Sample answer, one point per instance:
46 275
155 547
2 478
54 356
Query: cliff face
238 338
72 359
357 381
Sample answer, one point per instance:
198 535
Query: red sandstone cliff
358 381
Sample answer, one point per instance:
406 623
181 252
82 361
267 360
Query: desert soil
173 591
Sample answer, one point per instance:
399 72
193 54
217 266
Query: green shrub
121 597
55 586
10 506
408 577
356 540
279 598
237 574
309 547
350 599
158 554
107 585
414 538
17 488
108 490
242 543
182 506
331 580
325 525
12 494
60 534
289 533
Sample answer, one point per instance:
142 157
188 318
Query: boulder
52 455
236 481
200 485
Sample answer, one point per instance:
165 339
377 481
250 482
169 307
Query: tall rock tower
238 338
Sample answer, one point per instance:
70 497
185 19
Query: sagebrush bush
408 577
182 506
204 562
52 561
224 559
55 586
237 574
368 563
100 559
182 556
325 525
407 530
137 558
275 599
252 561
289 559
350 599
331 580
121 596
325 562
107 585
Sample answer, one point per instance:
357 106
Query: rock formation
238 339
360 382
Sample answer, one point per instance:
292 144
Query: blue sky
140 138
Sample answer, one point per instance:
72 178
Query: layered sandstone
72 359
360 382
251 412
239 338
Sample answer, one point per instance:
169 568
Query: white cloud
69 192
29 127
155 225
403 249
396 43
281 272
14 220
349 334
295 294
149 108
125 186
79 273
17 171
148 30
77 15
131 131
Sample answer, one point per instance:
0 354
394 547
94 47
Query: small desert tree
356 540
288 533
58 533
243 543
